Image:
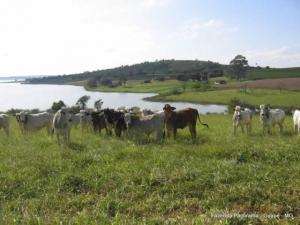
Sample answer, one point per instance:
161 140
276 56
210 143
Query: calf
33 122
4 123
62 125
296 119
145 125
242 118
271 117
180 119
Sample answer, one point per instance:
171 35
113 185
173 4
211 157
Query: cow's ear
173 108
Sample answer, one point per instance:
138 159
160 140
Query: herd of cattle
134 121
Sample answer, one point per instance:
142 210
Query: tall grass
105 180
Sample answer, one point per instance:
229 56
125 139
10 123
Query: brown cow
180 119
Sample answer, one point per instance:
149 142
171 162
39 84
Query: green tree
239 66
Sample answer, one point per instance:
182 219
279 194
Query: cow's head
86 115
18 117
264 111
168 110
64 112
127 119
237 112
22 117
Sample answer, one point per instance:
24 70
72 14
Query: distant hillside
144 70
165 69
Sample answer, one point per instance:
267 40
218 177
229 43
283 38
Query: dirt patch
283 83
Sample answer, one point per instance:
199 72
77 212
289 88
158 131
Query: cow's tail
204 124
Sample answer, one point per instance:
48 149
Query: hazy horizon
41 37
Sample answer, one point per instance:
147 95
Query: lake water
26 96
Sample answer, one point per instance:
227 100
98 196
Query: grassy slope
255 97
274 73
102 180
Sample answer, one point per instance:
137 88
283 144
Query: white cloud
155 3
215 28
280 57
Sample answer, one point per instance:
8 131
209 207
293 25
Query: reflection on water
19 96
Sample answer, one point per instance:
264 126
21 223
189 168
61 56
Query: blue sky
68 36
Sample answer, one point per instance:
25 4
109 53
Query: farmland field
105 180
283 83
280 98
272 73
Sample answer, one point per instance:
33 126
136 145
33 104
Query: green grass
274 73
106 180
140 87
254 96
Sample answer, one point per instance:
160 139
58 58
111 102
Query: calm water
26 96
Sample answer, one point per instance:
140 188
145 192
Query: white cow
271 117
145 125
33 122
296 119
4 123
242 118
62 125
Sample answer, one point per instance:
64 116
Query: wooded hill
146 70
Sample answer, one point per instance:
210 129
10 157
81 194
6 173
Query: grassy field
271 73
140 87
253 96
106 180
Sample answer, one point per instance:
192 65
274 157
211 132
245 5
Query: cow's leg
58 139
159 135
299 128
234 129
6 129
168 133
280 127
295 128
242 127
265 129
174 132
270 128
106 130
68 136
193 131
